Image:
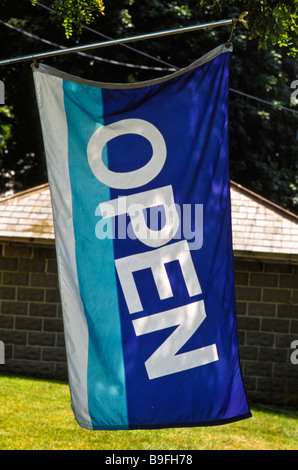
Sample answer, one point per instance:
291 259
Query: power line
98 33
264 101
173 67
115 42
125 64
101 59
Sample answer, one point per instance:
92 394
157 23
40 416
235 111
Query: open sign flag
141 204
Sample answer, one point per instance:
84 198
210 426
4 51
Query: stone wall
31 324
267 312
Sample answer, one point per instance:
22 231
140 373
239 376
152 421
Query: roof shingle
261 226
27 215
258 225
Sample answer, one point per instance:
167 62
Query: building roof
260 228
27 215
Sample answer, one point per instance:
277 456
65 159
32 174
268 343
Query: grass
36 415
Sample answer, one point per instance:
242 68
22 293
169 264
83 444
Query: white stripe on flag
50 98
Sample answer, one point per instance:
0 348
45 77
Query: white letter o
131 179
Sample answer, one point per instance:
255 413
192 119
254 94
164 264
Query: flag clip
240 19
34 64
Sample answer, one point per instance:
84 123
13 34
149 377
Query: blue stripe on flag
95 263
197 169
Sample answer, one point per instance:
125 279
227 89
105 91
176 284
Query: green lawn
36 415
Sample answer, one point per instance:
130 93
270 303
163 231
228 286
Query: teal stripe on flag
95 261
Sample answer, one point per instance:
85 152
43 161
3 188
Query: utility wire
145 67
264 101
98 33
84 54
173 67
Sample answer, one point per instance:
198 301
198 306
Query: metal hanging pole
115 42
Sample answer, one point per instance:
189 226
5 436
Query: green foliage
263 142
76 11
271 22
6 118
5 129
263 139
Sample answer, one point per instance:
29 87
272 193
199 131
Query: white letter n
165 360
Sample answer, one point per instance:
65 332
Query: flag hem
73 78
195 424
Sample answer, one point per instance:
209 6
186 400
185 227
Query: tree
263 138
79 11
270 22
263 144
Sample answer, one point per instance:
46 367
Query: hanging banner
140 192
